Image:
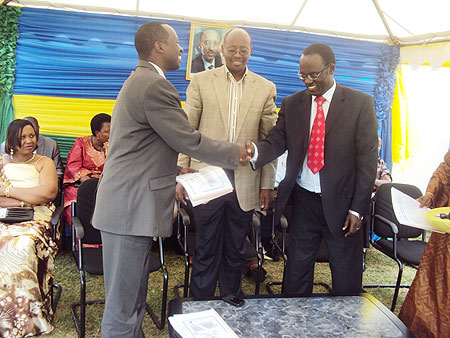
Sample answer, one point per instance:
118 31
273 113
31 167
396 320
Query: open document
203 324
205 185
408 212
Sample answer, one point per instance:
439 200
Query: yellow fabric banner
61 116
400 130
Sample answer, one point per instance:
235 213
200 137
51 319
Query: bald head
238 32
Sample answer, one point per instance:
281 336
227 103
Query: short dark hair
98 120
147 35
14 134
323 50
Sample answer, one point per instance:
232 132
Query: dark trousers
221 228
306 232
126 266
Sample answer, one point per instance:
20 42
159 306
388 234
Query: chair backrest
85 208
383 207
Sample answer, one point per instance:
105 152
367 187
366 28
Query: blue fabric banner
83 55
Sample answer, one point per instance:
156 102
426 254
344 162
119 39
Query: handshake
246 152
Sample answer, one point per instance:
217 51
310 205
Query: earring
11 154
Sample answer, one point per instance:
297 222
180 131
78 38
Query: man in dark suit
210 57
329 176
136 192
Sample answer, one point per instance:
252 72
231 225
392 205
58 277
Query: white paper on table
202 324
408 211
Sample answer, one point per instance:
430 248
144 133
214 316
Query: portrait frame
195 51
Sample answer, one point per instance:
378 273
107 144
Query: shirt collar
159 70
328 95
228 73
206 64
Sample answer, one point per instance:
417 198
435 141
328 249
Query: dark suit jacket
136 192
197 64
350 151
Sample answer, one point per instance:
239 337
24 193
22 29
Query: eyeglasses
242 51
312 76
211 44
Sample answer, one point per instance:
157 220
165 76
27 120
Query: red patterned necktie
317 139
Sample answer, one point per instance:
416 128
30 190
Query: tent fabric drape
384 93
9 18
88 56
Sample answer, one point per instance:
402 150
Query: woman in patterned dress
27 250
426 309
85 160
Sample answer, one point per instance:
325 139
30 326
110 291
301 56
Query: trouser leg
126 269
304 242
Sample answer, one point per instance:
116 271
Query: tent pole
380 13
299 12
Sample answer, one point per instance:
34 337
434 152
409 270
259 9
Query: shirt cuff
255 156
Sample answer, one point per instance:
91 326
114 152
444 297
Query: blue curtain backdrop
71 54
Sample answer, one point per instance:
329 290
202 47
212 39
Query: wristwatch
357 214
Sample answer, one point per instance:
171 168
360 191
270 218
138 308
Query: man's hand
425 200
244 157
352 223
266 197
250 148
181 195
187 170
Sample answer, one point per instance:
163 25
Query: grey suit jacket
350 151
136 191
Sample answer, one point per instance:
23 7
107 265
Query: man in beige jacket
229 103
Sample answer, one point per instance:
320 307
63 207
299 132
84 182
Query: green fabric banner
9 33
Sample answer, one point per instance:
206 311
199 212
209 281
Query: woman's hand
425 200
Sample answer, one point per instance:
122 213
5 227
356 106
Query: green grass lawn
380 269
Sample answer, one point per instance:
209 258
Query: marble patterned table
260 317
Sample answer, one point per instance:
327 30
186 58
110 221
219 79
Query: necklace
23 162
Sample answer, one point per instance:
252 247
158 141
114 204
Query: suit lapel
336 106
219 82
248 94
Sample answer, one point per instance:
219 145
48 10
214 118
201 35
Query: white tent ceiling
406 22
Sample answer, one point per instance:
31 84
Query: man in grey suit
45 146
136 192
330 132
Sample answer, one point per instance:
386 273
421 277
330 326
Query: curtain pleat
9 18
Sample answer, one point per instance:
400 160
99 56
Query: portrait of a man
205 48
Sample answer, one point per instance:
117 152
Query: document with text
202 324
205 185
408 212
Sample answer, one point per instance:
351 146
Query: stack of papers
203 324
408 211
205 185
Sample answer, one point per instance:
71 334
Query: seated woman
426 309
85 160
27 250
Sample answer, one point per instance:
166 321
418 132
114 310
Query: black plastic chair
89 259
396 238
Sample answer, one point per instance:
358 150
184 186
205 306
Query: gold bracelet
22 204
7 191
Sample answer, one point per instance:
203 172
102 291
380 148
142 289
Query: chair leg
397 285
55 296
160 322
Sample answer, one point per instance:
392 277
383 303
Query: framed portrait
205 47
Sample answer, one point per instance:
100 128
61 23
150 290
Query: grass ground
380 269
